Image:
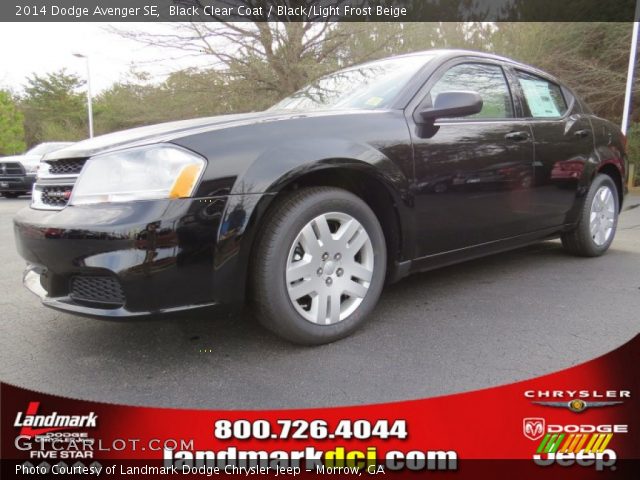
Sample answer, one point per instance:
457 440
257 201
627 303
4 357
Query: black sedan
307 209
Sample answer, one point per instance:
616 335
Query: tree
275 58
53 108
379 40
633 148
11 126
271 60
184 94
129 104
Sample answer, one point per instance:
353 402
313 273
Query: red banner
582 422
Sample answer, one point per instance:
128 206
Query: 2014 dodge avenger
363 177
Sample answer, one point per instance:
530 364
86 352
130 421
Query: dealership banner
582 423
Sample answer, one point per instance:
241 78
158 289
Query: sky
28 48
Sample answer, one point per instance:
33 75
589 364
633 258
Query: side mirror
452 104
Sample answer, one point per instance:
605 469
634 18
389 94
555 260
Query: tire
285 251
10 194
603 210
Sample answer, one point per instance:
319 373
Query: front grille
11 168
101 290
70 166
55 183
57 196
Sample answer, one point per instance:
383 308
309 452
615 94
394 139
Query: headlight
43 169
143 173
31 169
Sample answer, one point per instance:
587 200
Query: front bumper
17 183
33 280
162 255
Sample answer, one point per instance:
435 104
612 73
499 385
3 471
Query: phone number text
305 429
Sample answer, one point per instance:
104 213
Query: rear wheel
320 265
598 220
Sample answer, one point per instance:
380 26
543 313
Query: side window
486 80
544 98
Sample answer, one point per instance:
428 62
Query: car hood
23 159
162 132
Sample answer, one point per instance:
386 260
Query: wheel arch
363 180
613 171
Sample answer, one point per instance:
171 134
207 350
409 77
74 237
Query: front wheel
319 266
598 220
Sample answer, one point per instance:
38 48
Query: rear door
563 142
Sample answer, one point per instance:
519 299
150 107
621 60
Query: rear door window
544 98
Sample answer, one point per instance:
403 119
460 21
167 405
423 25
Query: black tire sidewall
282 316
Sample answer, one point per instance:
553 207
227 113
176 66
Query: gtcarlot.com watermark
74 445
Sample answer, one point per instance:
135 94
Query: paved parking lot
479 324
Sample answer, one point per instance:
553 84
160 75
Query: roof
452 53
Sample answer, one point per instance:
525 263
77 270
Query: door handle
582 133
517 136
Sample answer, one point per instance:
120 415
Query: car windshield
371 86
46 148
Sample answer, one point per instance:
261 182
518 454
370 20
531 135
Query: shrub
633 149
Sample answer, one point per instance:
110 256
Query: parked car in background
18 172
365 176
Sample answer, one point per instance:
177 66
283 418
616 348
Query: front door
473 175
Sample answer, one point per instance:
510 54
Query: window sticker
539 98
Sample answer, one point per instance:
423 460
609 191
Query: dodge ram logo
533 428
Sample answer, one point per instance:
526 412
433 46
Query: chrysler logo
577 405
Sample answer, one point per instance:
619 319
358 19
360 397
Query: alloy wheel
602 215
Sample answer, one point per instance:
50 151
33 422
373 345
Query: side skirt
437 260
